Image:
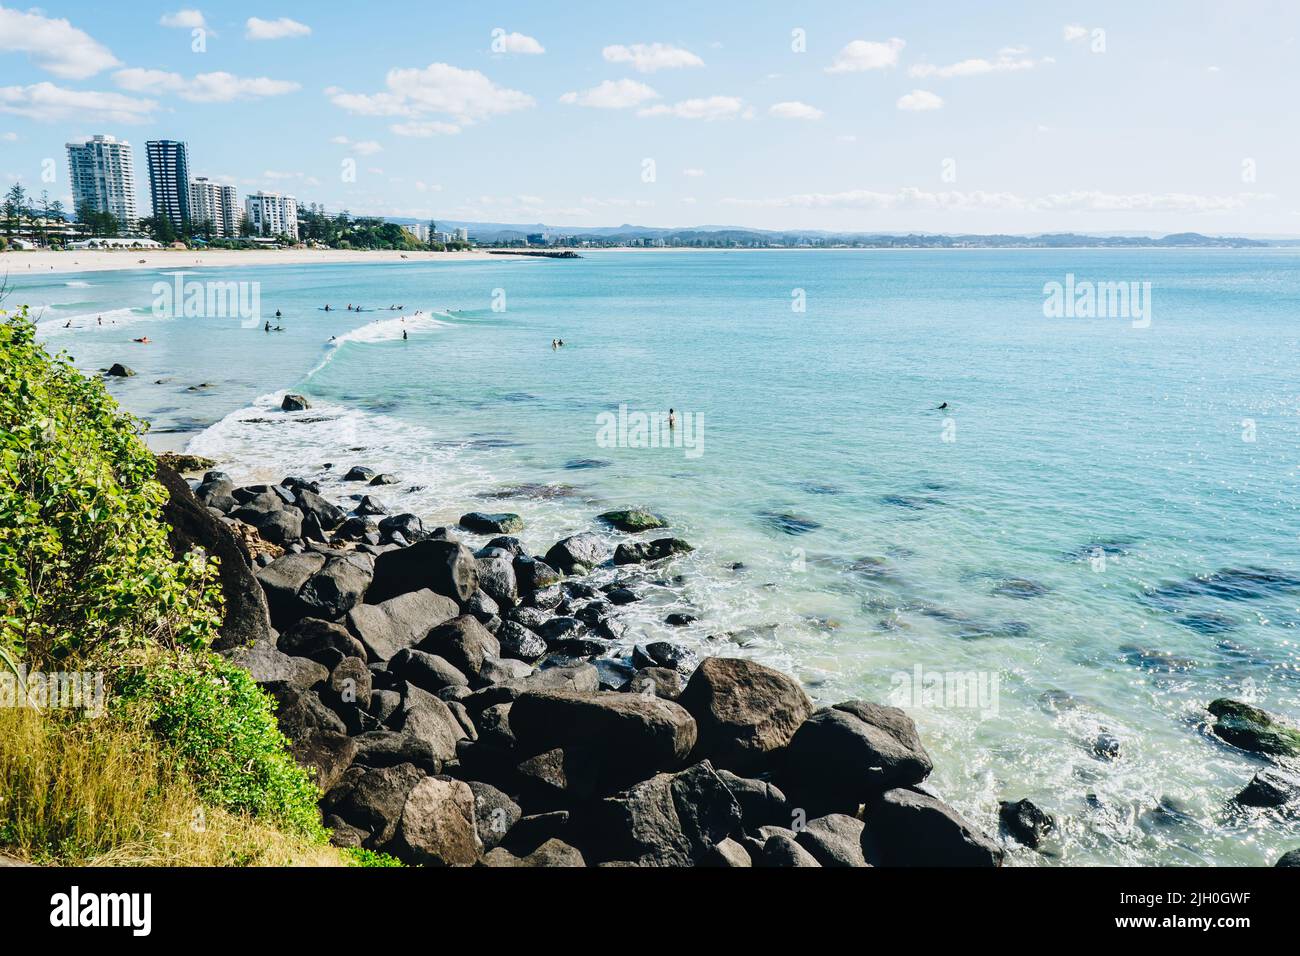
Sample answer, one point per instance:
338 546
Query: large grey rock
427 671
915 829
429 719
445 567
782 850
480 522
1272 787
578 553
834 840
639 552
745 711
668 820
496 576
534 574
371 799
437 826
282 579
494 813
328 515
337 587
266 664
327 754
848 754
400 622
761 803
1253 729
630 737
321 641
464 642
519 642
552 853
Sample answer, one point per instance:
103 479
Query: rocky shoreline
471 707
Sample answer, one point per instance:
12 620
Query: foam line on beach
382 330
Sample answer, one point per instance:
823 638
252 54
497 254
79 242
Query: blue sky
937 116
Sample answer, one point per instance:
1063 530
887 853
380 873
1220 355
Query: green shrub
212 717
85 568
359 856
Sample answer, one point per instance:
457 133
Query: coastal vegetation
166 753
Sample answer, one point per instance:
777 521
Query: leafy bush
360 856
85 568
219 725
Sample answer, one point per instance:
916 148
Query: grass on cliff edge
88 584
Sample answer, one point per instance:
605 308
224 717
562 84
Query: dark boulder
761 803
326 753
445 567
494 813
294 403
282 579
338 586
664 654
916 829
578 554
534 574
427 671
480 522
633 520
266 664
437 825
321 641
371 799
371 506
398 623
496 577
845 755
745 711
1272 787
1289 859
643 551
118 370
359 473
328 515
519 642
668 820
834 840
407 525
1025 822
464 642
1252 729
783 850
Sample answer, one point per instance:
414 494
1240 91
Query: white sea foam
77 284
382 330
53 321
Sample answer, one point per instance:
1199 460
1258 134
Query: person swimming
554 344
403 335
327 306
942 407
277 313
67 324
143 340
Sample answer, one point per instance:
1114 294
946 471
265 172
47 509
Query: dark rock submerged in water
633 520
482 523
788 523
1271 788
1252 729
1025 822
294 403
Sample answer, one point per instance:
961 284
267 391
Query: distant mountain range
733 236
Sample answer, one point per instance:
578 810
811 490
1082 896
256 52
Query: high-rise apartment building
215 204
272 214
102 173
169 181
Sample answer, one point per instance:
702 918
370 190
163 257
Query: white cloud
1075 31
978 66
217 87
693 173
704 108
367 147
846 138
649 57
53 45
612 95
863 55
9 137
183 19
503 42
259 29
796 111
919 100
466 95
49 103
424 129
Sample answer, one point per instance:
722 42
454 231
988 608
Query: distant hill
733 237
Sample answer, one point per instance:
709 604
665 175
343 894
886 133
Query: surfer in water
403 335
943 407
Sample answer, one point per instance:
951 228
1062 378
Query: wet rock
788 523
1272 787
621 596
294 403
916 829
633 520
663 654
496 577
1252 729
1025 822
745 711
383 479
482 523
118 370
578 554
845 755
408 526
400 622
1289 859
657 550
1021 588
370 506
1106 747
678 619
534 574
657 682
359 473
519 642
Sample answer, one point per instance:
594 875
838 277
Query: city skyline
1023 121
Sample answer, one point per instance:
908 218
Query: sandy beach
16 263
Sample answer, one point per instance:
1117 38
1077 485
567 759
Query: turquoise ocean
1099 534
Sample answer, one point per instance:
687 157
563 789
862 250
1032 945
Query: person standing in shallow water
672 418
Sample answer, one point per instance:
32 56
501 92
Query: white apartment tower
102 174
272 214
217 204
